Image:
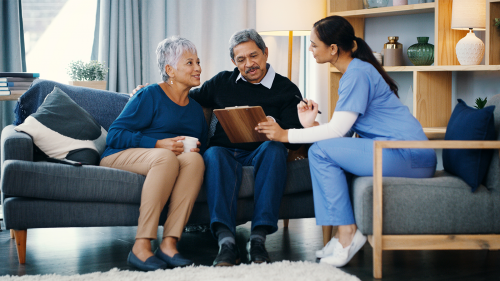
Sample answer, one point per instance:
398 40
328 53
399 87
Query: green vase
421 53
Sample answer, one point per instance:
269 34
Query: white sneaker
328 249
341 256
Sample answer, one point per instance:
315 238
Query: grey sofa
38 194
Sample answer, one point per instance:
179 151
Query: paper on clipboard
239 123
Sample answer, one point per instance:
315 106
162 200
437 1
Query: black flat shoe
257 251
176 261
151 264
228 255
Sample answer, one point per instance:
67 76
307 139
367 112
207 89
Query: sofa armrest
16 145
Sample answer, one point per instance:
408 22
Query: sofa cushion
52 181
298 180
62 129
467 123
442 204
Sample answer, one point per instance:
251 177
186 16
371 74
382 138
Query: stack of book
16 83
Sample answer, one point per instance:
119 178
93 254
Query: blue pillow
467 123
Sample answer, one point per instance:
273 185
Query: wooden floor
70 251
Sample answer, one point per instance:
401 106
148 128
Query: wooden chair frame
381 242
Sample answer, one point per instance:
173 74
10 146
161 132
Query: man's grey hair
170 50
245 36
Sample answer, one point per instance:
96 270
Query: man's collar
267 81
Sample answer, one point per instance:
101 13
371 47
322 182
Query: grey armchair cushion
439 205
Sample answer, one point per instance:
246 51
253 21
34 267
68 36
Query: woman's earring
171 82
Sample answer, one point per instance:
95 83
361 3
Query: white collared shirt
267 81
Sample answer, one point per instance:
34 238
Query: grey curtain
12 56
128 31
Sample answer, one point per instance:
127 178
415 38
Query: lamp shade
278 17
467 14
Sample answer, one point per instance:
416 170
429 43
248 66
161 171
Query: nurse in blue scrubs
369 106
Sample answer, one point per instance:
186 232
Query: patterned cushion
62 129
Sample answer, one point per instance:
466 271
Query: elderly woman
145 139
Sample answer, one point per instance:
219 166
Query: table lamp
288 18
469 15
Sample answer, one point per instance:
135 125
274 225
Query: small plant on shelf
480 103
92 71
497 22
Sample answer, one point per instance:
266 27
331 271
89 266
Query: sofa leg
12 234
377 260
21 244
285 223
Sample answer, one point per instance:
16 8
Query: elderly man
255 83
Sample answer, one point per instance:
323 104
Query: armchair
413 241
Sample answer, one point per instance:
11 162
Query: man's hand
172 144
272 130
137 89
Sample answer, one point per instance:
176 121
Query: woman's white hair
170 50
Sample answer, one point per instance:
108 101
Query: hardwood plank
342 5
377 211
333 97
446 37
383 11
9 97
492 43
432 98
439 144
430 68
436 133
441 242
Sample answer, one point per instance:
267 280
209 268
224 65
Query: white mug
189 142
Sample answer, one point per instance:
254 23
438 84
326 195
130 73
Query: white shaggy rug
285 270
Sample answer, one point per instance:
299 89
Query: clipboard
239 123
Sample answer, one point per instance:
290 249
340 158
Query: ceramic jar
399 2
421 53
393 52
368 4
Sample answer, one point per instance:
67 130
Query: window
57 32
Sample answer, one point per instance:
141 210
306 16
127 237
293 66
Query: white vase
470 50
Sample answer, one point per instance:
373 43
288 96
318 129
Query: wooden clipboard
239 123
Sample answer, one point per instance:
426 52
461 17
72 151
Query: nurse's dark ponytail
337 30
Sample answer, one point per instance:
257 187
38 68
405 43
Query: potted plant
89 75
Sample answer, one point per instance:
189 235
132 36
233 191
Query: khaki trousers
167 176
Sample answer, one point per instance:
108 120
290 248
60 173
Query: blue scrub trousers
330 159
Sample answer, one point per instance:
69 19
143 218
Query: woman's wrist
284 137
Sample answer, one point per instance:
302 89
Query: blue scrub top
382 116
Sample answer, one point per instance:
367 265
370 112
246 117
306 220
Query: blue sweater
151 115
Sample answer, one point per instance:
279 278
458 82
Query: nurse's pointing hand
273 131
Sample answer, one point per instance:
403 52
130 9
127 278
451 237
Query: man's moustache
252 68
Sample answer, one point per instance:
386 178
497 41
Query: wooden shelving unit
432 85
9 97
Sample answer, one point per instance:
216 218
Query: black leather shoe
257 251
228 255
